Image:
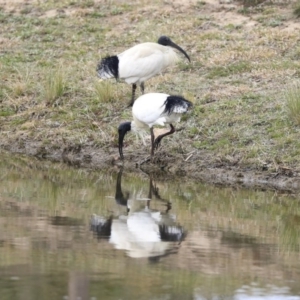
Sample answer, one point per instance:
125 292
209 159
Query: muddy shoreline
165 166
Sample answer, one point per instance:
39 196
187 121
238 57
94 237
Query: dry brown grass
55 87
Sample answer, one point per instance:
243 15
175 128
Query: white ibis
140 63
154 109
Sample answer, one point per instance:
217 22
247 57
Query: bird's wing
141 50
141 62
148 108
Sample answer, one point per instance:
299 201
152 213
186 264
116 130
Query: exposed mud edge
164 166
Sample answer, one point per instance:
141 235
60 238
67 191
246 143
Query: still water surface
77 234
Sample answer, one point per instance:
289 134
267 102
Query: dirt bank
192 166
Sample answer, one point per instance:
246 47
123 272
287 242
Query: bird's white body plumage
139 233
145 61
148 110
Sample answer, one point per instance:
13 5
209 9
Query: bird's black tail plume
108 67
171 233
177 104
101 226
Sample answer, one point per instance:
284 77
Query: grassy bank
243 75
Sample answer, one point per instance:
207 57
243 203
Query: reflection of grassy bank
289 229
111 274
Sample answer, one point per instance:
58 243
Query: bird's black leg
153 189
133 95
160 137
142 87
152 141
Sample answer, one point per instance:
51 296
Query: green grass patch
297 9
231 69
292 97
6 111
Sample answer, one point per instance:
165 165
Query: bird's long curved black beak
120 198
123 128
172 44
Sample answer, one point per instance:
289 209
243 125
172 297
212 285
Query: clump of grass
26 10
293 103
55 86
86 4
200 4
6 111
20 84
248 3
103 91
297 9
18 89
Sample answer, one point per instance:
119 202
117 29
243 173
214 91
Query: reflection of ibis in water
143 232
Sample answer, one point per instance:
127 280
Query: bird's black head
123 128
166 41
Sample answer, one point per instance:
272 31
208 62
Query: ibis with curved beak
140 63
154 109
